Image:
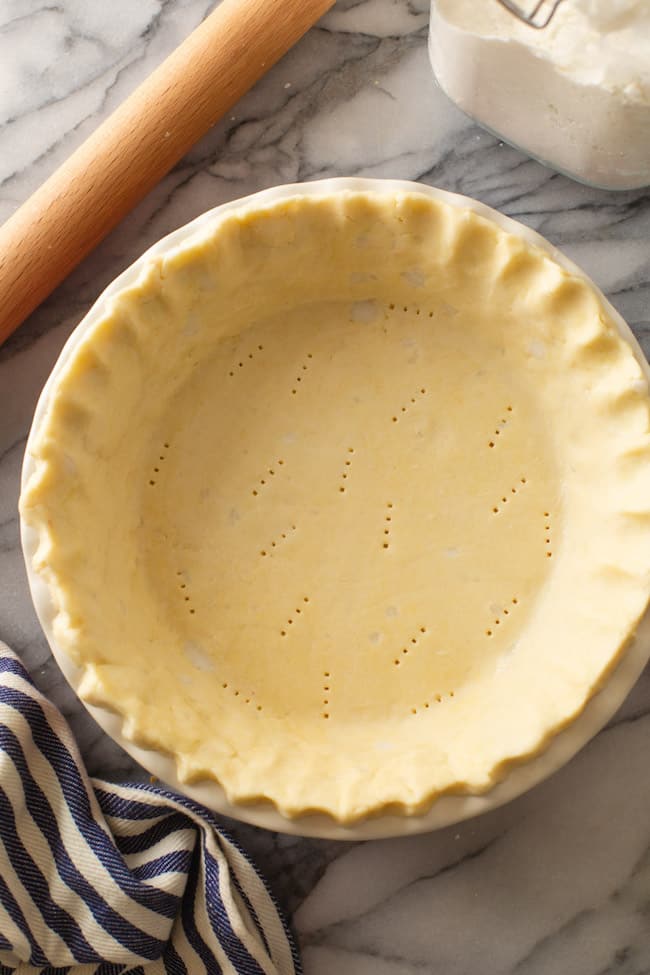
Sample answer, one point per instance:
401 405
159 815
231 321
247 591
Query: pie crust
345 503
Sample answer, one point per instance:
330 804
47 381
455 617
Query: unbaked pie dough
345 504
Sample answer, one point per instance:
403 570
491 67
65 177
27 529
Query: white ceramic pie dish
446 809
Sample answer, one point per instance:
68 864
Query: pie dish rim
446 809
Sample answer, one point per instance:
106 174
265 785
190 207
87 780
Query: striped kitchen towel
105 879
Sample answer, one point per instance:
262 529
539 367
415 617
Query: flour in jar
575 95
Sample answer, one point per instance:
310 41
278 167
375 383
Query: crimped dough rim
536 725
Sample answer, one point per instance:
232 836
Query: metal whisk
539 15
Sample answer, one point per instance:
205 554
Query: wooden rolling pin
139 143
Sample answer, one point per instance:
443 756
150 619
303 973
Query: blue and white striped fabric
104 879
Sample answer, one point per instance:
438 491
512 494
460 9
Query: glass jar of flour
575 95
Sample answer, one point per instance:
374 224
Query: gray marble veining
558 881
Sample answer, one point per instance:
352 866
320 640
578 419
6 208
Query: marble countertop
557 881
